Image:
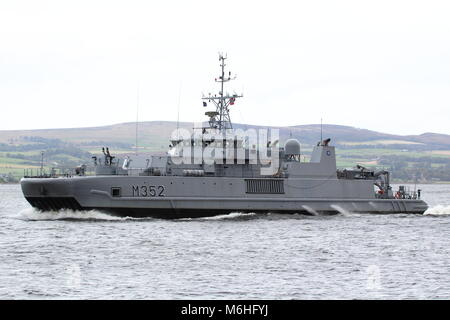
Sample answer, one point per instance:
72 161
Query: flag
205 104
232 101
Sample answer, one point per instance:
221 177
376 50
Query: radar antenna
220 119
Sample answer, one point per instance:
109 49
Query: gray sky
380 65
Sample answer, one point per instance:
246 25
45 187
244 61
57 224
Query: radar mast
220 119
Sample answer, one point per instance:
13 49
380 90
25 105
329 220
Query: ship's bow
49 194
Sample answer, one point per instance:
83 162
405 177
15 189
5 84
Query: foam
35 215
341 210
231 216
438 210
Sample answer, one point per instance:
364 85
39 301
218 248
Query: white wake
33 214
310 210
341 210
232 215
438 210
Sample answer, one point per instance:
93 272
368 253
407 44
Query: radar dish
292 147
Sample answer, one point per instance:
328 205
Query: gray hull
217 170
176 197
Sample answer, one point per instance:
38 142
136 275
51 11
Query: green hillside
425 157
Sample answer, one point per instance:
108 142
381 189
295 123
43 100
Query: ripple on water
238 256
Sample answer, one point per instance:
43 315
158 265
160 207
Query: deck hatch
264 186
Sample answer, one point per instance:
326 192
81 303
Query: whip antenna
178 110
321 137
137 117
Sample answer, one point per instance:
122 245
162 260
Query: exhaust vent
268 186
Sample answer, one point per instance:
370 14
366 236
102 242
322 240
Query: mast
220 119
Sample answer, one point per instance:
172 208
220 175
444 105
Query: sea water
92 255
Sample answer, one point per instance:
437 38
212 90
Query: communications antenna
321 137
137 117
178 111
220 119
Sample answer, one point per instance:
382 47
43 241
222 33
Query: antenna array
220 119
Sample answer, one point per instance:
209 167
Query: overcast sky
379 65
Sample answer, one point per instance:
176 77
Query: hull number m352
148 191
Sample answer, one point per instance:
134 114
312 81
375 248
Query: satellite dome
292 147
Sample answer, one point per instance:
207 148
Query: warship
219 170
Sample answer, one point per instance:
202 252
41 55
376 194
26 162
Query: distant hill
155 135
429 152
